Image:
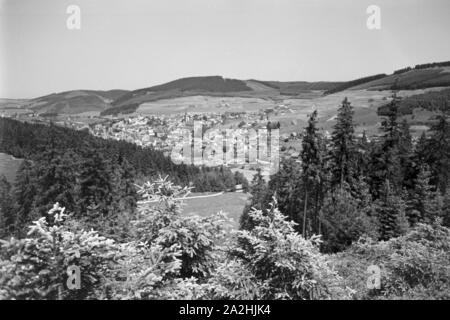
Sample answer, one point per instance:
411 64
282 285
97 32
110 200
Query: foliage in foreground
171 256
413 266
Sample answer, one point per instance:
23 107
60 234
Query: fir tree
391 214
439 152
258 200
286 186
386 168
313 164
6 207
343 146
405 154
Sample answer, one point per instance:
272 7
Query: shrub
282 264
413 266
345 220
36 267
160 223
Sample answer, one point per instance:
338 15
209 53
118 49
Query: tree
346 218
425 203
313 165
362 155
35 267
24 195
6 207
391 213
258 200
286 186
439 152
405 154
343 146
386 164
281 263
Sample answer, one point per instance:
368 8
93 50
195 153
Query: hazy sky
138 43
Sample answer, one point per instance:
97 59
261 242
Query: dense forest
87 174
312 232
344 187
434 101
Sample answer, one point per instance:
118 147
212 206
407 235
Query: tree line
344 186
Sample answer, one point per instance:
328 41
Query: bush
413 266
282 264
345 220
36 267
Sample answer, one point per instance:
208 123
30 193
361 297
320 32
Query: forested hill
88 174
421 76
32 141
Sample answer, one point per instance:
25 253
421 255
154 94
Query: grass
231 202
9 166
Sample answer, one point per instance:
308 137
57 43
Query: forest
312 232
87 174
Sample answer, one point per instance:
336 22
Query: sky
132 44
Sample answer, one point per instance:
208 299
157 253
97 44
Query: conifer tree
286 186
6 207
386 164
362 155
424 204
439 152
313 164
343 146
405 153
258 199
24 194
391 213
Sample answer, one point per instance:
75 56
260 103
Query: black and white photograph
225 154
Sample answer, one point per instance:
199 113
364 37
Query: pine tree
6 208
405 154
362 155
439 152
25 191
346 219
425 202
343 146
313 165
391 214
95 185
421 155
386 164
286 185
258 200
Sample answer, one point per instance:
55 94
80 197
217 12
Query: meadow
230 202
9 166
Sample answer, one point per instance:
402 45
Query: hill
73 102
296 87
214 86
422 76
432 101
411 80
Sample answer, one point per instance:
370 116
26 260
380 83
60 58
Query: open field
205 104
365 103
9 166
231 202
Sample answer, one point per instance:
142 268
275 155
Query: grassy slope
73 102
413 79
232 203
9 167
214 86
